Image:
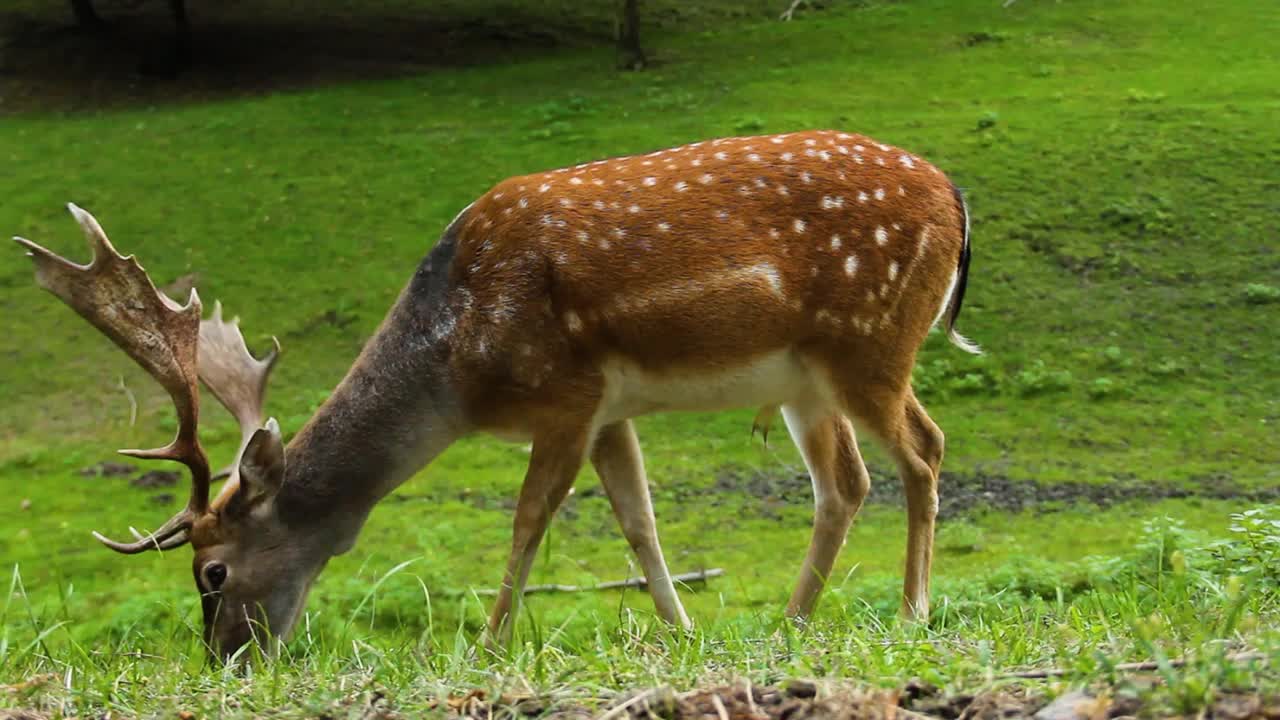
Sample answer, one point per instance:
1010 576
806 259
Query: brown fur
584 277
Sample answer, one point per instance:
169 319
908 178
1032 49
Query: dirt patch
49 64
108 469
155 479
960 494
802 700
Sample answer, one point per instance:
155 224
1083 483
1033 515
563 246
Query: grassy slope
1122 196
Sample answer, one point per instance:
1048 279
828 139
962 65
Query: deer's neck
395 410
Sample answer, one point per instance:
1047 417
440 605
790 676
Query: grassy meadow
1120 160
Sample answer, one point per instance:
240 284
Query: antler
234 376
115 295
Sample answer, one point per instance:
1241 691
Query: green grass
1120 162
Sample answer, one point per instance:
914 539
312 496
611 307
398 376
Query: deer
798 273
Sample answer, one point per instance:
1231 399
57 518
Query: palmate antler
116 296
234 376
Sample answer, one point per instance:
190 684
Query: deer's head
251 568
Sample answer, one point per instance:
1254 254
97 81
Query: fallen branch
635 582
1128 667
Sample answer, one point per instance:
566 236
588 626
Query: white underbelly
770 379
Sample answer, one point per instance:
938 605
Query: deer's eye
215 573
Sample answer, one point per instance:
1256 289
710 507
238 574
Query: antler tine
234 375
117 297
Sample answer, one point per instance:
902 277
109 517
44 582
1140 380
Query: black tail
962 280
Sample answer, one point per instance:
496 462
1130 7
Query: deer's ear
261 465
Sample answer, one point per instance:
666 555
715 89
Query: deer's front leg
617 459
556 458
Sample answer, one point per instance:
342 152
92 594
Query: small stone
1075 705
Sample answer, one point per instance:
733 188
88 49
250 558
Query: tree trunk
630 54
86 16
182 30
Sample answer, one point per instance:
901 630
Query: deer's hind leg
826 441
899 421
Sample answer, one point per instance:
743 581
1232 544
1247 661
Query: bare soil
962 494
244 49
802 700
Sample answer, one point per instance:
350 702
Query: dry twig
635 582
1128 667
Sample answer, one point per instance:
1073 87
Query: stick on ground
635 582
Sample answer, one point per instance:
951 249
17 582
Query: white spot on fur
524 202
879 193
572 321
835 242
753 157
566 202
650 181
598 204
906 161
544 187
798 225
787 157
634 208
706 179
682 186
863 197
575 181
831 203
893 271
851 265
583 237
664 227
773 233
882 235
722 156
770 275
806 177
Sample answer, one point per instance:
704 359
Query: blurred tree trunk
86 16
630 54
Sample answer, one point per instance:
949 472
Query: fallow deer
800 271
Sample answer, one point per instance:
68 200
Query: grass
1124 276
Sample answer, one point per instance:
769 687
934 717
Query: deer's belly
770 379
